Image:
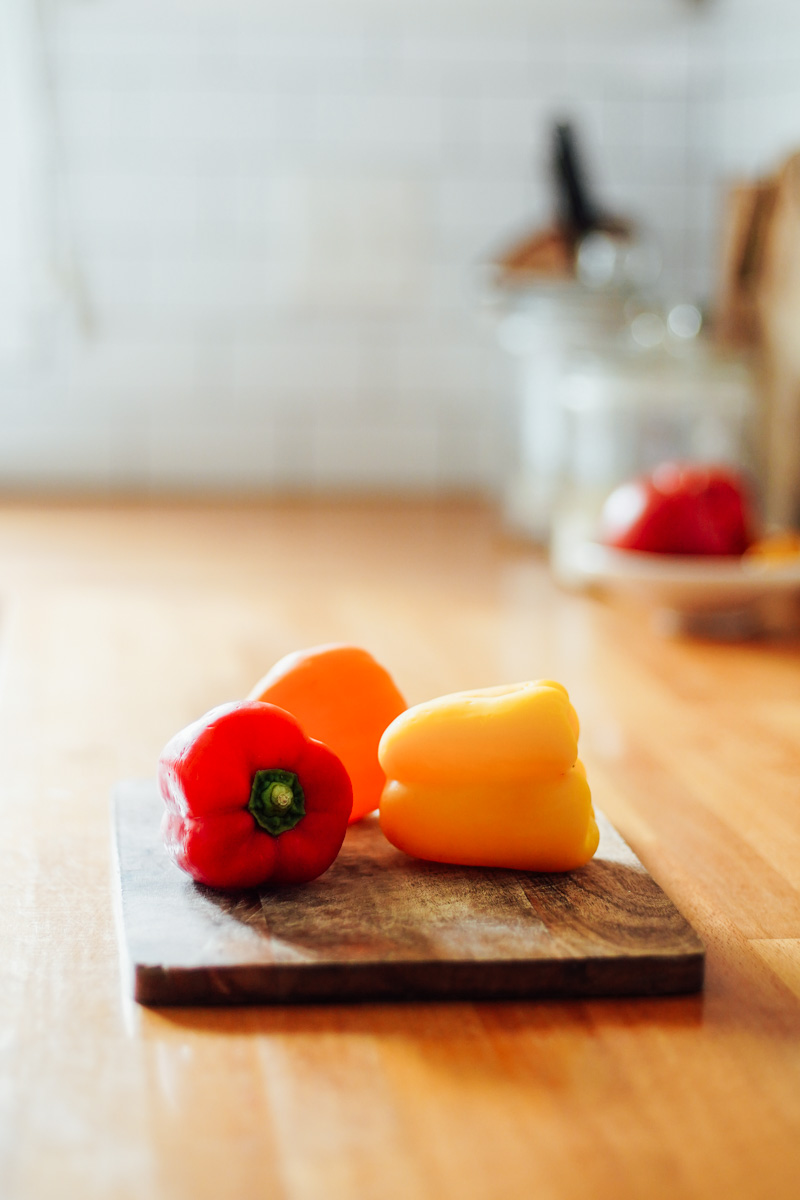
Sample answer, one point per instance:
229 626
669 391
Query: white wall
756 101
270 217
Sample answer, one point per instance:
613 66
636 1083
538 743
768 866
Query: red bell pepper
251 800
680 508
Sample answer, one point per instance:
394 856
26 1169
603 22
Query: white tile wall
276 213
757 103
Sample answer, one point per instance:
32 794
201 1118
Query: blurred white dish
717 596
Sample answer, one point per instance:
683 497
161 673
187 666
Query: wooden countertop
121 623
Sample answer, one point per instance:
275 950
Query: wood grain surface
120 623
380 925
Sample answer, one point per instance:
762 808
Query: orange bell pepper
341 696
489 778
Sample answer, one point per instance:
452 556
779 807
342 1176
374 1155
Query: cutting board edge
313 983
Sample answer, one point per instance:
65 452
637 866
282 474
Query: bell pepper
680 508
251 800
489 778
341 695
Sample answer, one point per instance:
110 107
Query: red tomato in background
680 509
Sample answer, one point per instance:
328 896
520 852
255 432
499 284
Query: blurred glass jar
545 323
543 331
666 394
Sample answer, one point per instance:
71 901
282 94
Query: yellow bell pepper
489 778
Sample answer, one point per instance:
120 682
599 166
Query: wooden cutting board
381 925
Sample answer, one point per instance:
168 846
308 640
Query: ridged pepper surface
489 778
251 800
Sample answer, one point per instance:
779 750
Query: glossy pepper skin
341 695
251 800
489 778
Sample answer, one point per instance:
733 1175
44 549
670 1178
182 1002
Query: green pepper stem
281 795
277 802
